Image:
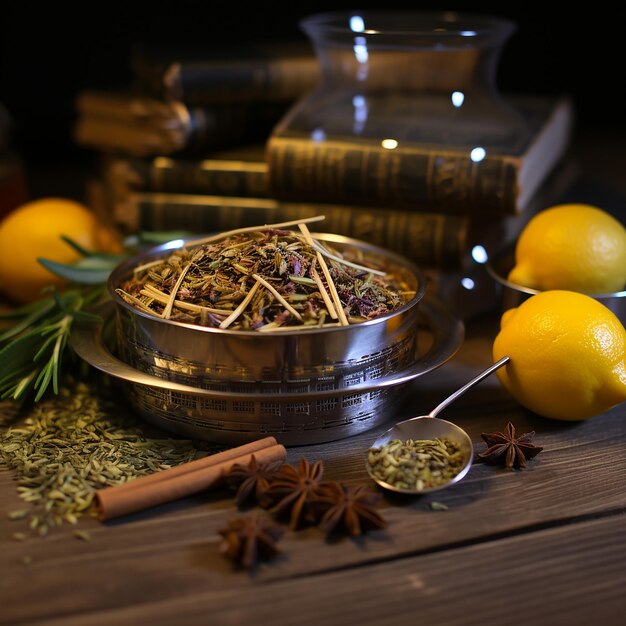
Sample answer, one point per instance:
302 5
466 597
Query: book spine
221 177
145 127
428 239
219 126
275 80
400 177
202 83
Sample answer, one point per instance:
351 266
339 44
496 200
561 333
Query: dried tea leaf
212 283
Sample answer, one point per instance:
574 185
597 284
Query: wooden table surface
545 545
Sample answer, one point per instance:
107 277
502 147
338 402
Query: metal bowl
294 418
512 295
304 386
301 360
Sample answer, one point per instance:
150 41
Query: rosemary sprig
33 350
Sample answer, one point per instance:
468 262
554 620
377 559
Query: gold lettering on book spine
327 168
488 184
429 239
404 177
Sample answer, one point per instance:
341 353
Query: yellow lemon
576 247
34 230
568 355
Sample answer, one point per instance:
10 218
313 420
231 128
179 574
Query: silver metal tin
512 295
299 360
232 417
303 386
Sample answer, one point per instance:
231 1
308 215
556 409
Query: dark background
50 53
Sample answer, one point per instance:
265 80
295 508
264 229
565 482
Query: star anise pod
246 540
251 480
351 508
505 447
293 489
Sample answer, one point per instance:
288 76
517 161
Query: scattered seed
82 534
73 444
439 506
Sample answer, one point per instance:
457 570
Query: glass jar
396 85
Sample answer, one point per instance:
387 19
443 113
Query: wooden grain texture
564 575
166 560
545 545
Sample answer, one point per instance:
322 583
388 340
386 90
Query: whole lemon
34 230
576 247
568 355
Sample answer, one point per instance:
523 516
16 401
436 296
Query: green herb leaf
87 317
21 311
31 359
19 353
157 237
19 385
76 246
92 270
33 314
438 506
32 350
84 252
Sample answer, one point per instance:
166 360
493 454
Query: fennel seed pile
265 280
73 444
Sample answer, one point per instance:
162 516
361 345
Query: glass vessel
391 82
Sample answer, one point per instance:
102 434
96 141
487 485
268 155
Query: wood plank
172 551
542 578
170 554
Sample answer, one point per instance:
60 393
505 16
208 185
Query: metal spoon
431 427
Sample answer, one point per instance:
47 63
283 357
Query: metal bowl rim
491 265
91 347
156 251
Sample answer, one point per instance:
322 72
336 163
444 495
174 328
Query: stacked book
193 146
193 101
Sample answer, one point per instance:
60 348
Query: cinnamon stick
184 480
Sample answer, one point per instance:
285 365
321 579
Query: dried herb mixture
416 464
264 280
